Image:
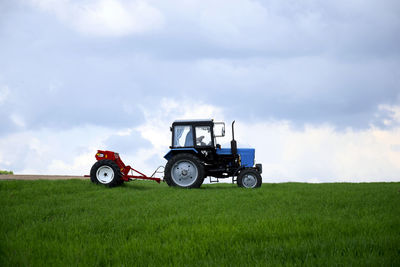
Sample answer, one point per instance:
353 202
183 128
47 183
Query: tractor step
211 181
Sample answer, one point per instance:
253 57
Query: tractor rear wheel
184 170
106 172
249 178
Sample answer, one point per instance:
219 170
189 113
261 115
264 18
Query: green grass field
76 223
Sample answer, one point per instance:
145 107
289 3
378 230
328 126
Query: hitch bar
141 176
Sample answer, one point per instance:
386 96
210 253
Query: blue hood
246 155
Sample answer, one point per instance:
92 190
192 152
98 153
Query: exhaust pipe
233 142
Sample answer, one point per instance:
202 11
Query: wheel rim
105 174
184 173
249 181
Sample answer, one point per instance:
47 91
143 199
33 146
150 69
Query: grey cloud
307 63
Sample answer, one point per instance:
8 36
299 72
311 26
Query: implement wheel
249 178
106 172
184 170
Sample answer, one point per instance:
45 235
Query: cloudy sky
313 85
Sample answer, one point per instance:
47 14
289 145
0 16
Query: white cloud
48 151
105 17
393 113
319 153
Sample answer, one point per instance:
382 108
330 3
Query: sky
314 86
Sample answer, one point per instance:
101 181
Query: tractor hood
246 155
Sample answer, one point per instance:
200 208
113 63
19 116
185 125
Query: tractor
195 155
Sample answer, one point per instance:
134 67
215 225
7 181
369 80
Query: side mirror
219 129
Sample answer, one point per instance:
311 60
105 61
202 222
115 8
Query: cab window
183 136
203 136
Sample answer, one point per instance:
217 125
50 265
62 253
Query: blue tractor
195 155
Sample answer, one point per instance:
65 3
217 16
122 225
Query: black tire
106 172
249 178
120 182
259 168
168 181
192 174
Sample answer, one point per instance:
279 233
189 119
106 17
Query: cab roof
194 122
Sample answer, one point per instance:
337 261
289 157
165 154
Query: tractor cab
194 154
186 134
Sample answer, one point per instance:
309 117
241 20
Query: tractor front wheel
106 172
184 170
249 178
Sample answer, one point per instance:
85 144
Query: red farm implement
111 171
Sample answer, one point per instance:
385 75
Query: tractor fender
174 151
258 168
